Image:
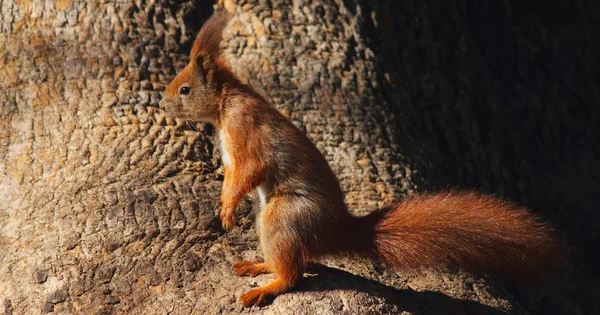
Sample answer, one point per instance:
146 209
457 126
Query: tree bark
107 206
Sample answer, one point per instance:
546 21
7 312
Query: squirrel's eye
184 90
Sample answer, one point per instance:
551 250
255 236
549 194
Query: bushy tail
460 230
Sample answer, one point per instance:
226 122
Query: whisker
192 125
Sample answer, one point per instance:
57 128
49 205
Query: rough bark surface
106 206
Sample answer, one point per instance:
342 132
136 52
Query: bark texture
106 206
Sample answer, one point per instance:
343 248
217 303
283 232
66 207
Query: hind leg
286 279
283 250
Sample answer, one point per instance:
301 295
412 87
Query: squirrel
303 216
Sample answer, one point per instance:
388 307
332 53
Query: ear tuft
206 45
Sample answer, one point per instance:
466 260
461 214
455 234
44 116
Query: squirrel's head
195 93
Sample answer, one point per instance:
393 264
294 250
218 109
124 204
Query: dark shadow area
502 98
427 302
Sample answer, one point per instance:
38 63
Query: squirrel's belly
262 194
223 142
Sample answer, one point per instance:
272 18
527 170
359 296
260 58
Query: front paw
227 219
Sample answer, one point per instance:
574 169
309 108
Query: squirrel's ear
204 67
206 48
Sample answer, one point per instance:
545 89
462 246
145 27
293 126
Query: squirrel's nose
162 104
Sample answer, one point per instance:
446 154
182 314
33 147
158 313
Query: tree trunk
107 206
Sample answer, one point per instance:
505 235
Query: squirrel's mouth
172 110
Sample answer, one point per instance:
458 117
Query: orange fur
253 269
209 38
460 230
303 214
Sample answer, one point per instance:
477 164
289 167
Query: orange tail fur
460 230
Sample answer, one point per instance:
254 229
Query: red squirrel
303 216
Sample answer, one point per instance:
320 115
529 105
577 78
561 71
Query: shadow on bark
428 302
501 98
